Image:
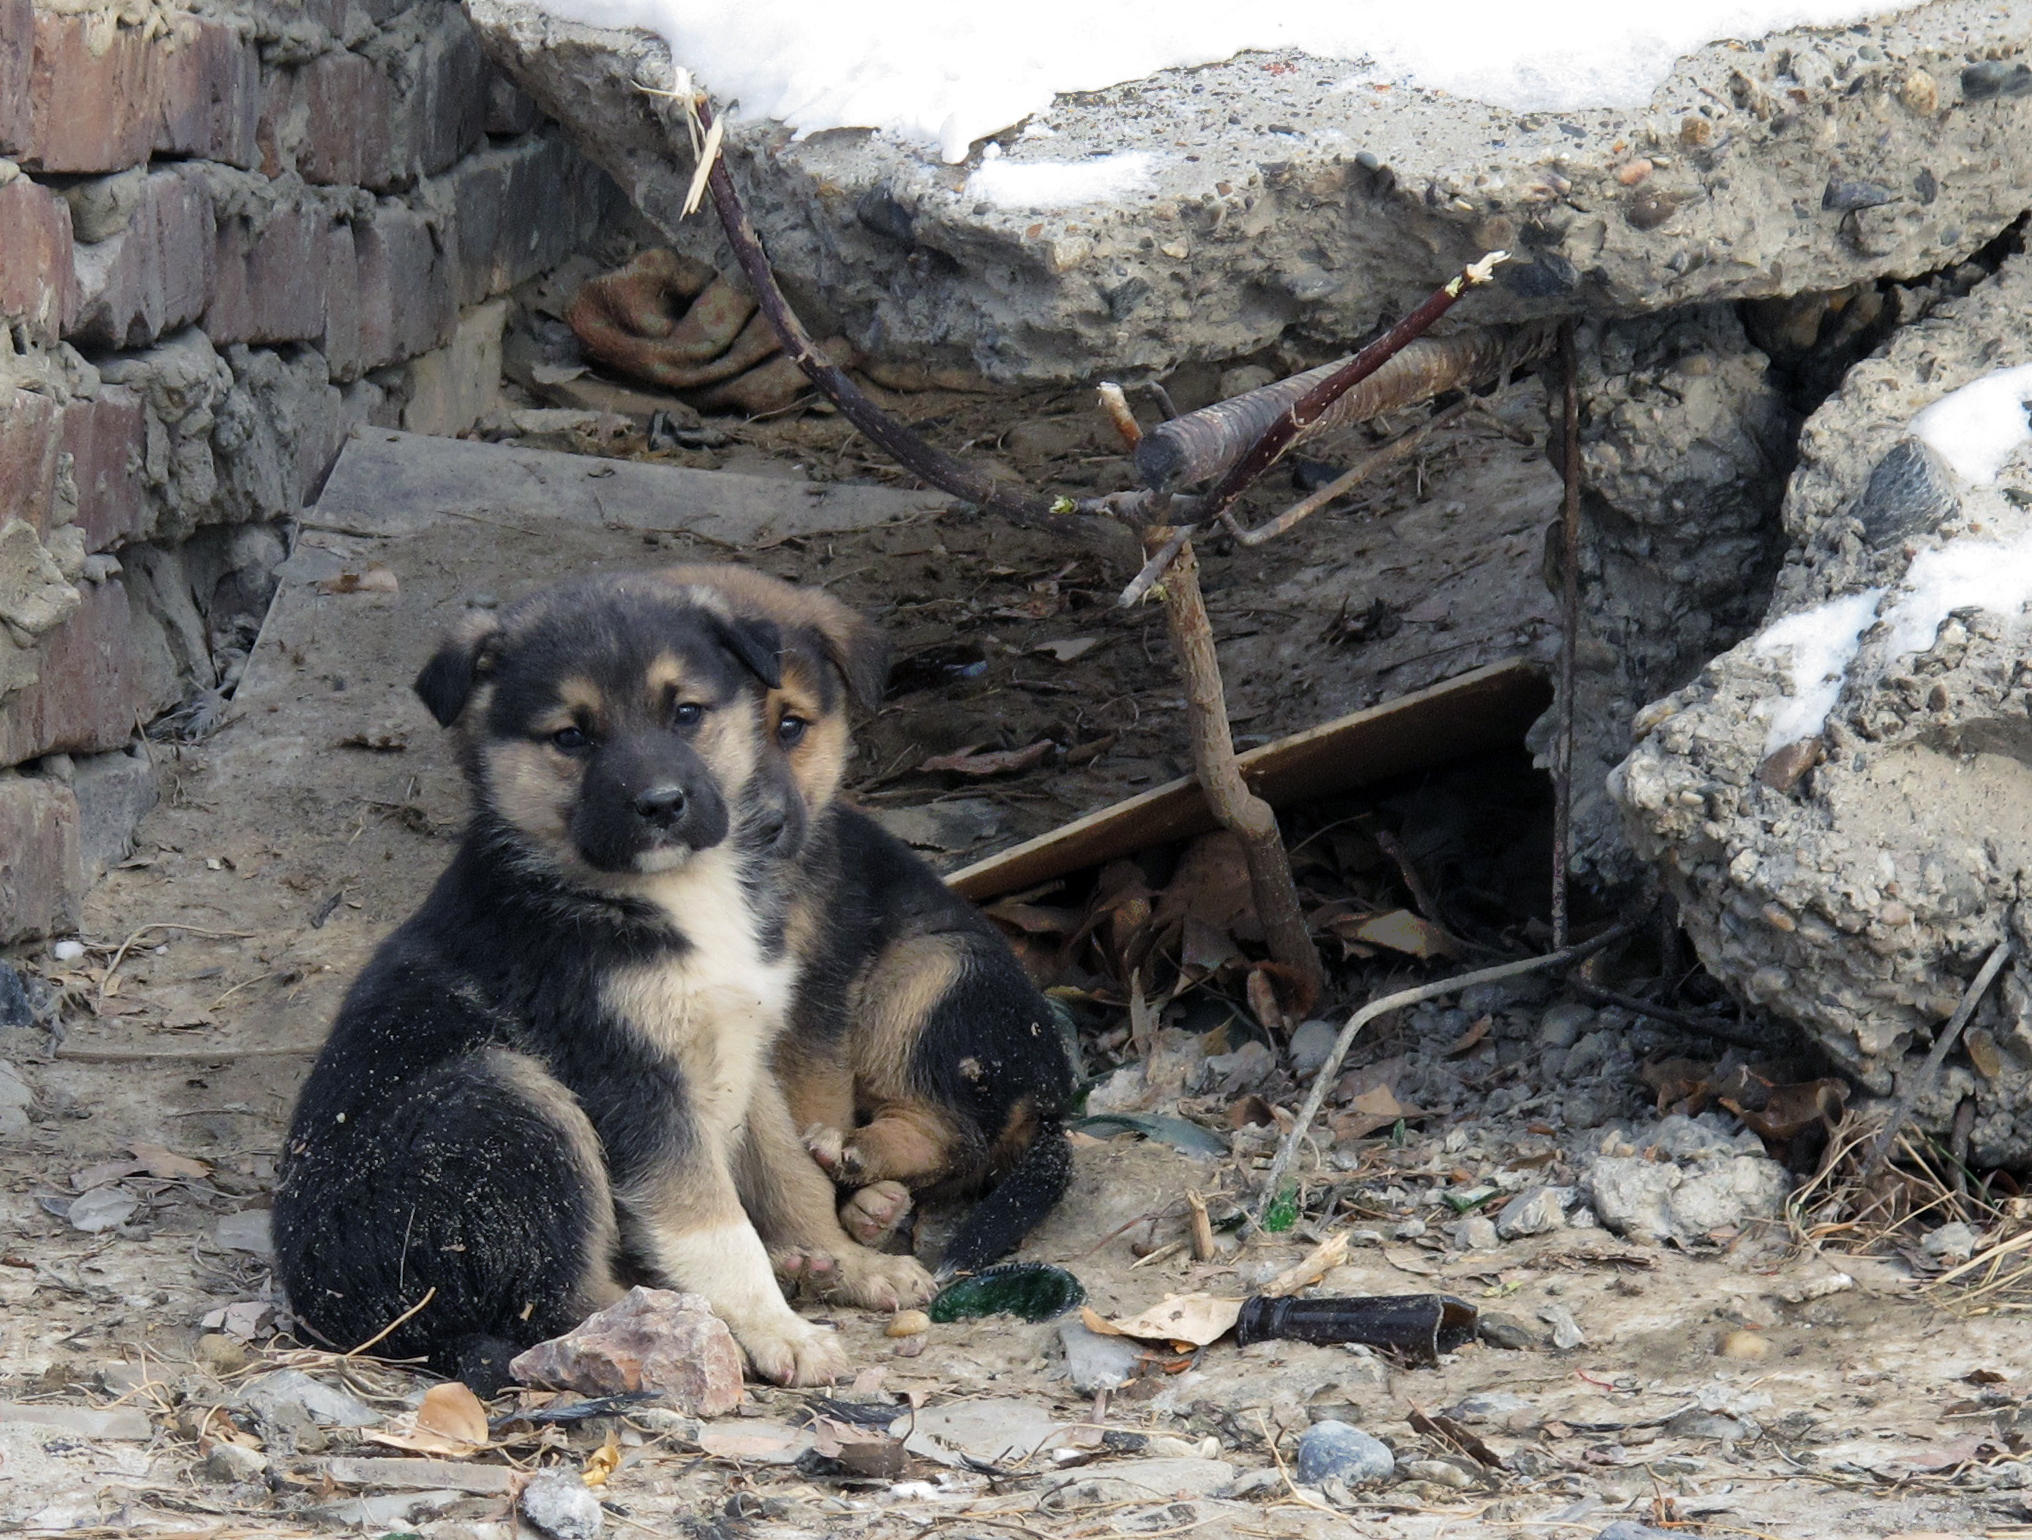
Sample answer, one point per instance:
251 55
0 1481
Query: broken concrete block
653 1339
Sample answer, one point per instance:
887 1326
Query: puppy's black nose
660 805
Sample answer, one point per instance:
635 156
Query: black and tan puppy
920 1062
555 1077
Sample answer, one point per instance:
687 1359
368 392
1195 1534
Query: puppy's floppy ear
757 643
860 652
456 668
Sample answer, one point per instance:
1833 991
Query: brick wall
229 235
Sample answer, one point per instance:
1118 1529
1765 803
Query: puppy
920 1061
555 1077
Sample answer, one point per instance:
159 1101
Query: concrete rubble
1852 875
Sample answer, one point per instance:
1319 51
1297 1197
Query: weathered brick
452 387
42 879
438 80
510 109
157 273
348 113
38 283
270 284
30 442
341 344
104 438
95 93
83 697
17 58
211 93
517 211
406 302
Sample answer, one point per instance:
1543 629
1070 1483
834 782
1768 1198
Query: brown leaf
1402 931
166 1164
1192 1319
1477 1031
452 1411
1250 1111
1263 1003
1452 1433
1000 762
1681 1084
1790 1109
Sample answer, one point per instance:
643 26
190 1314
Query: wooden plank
1470 714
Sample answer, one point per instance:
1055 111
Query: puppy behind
554 1078
920 1061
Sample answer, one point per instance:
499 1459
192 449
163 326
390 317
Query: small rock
1950 1243
907 1323
1487 1405
218 1354
101 1208
1745 1344
652 1339
1407 1230
1533 1211
1438 1472
1750 1310
1334 1449
16 1009
1995 77
1566 1332
235 1462
67 951
1094 1361
1723 1429
560 1504
246 1231
1507 1331
289 1397
1310 1045
1477 1232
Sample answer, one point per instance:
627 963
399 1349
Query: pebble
1476 1233
1750 1310
1096 1362
559 1504
1562 1025
1631 172
1745 1344
1335 1450
16 1009
1438 1472
650 1339
907 1323
1310 1045
235 1462
1408 1230
101 1208
1507 1331
1566 1332
290 1396
1532 1212
67 951
1954 1242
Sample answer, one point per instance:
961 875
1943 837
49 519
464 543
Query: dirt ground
1740 1381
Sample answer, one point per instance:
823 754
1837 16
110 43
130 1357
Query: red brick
406 302
95 94
105 440
38 284
349 112
42 877
84 698
438 81
155 275
17 58
271 281
30 441
211 93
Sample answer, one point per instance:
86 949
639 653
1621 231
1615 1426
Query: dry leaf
1407 1260
1402 931
449 1421
1192 1319
602 1463
1315 1265
1477 1032
1001 762
1263 1003
1382 1103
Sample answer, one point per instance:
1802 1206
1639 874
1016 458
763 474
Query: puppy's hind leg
475 1191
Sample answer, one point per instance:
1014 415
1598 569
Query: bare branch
1382 458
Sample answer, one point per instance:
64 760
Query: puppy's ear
757 643
457 667
860 652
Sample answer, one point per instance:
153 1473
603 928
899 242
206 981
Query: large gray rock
1841 802
1279 199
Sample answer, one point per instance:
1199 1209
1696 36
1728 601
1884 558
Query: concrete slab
1282 199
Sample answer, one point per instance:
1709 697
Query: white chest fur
717 1008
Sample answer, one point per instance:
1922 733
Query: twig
1236 808
900 443
1943 1045
1569 626
1323 1080
219 1055
1154 569
429 1294
1202 1228
120 956
1376 460
1706 1026
1116 405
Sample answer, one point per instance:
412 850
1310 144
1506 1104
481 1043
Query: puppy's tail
997 1224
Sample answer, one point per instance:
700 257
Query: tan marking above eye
575 692
664 680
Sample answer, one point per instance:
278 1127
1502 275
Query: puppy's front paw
871 1215
792 1351
801 1269
880 1282
827 1145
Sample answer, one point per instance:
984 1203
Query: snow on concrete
1060 184
944 73
1964 574
1977 428
1815 648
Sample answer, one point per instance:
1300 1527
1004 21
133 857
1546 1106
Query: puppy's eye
790 731
572 740
688 714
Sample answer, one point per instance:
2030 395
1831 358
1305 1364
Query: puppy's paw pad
871 1215
827 1145
800 1269
880 1282
796 1352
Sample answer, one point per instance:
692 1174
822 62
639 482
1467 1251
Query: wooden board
1466 715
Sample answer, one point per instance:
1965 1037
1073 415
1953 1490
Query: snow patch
1994 575
1060 184
1816 647
1977 428
944 74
